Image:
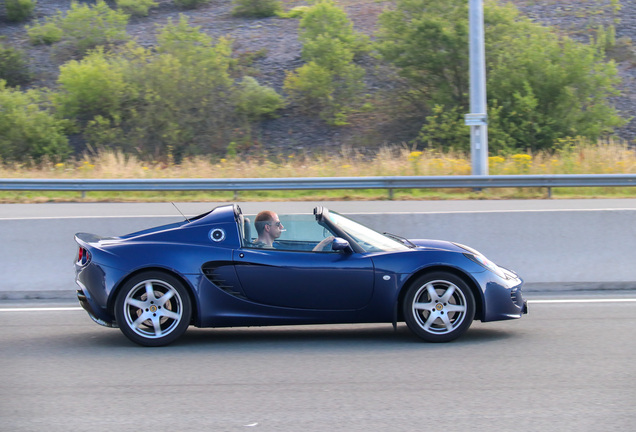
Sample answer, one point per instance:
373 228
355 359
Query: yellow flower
522 161
524 158
414 156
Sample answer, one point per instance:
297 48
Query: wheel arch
474 288
180 278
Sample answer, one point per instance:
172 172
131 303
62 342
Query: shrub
19 10
177 101
87 27
311 85
46 33
190 4
257 101
330 81
326 19
83 28
28 130
92 86
136 7
14 68
295 12
256 8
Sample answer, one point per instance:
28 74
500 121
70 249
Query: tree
541 86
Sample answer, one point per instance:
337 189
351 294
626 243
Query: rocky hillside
277 40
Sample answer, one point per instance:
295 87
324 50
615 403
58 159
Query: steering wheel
321 246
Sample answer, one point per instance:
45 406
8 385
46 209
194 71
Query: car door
305 280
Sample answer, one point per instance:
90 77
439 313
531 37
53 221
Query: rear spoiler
87 238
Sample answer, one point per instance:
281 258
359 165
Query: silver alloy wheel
439 307
153 308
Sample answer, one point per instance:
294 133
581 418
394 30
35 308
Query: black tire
439 307
153 309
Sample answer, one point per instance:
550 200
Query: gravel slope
278 38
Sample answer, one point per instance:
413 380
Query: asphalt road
564 367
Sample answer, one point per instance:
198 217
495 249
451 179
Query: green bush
256 8
190 4
83 28
311 85
46 33
93 86
326 19
541 86
136 7
445 130
28 130
14 69
295 12
330 82
20 10
175 101
257 101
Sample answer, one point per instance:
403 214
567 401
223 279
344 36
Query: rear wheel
153 309
439 307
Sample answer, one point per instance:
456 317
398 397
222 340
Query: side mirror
340 244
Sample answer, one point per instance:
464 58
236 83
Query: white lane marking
41 309
554 301
600 300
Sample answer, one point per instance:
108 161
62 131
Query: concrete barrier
550 249
583 249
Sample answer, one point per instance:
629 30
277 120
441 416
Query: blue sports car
227 269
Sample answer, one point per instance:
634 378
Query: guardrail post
390 194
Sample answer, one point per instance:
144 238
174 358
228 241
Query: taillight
83 256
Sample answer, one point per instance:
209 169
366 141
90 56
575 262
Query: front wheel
153 309
439 307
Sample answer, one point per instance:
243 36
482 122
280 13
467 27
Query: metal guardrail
314 183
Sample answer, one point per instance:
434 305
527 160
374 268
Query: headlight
482 261
485 262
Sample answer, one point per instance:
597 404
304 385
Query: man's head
268 226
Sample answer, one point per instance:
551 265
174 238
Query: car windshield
370 240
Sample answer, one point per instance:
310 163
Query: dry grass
579 158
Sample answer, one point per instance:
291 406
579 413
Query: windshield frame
368 239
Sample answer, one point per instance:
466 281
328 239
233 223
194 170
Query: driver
269 228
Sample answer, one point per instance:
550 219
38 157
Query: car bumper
93 301
503 299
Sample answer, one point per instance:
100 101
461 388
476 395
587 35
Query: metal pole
478 118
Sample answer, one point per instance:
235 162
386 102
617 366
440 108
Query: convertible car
210 271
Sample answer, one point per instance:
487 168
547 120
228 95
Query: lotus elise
324 268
